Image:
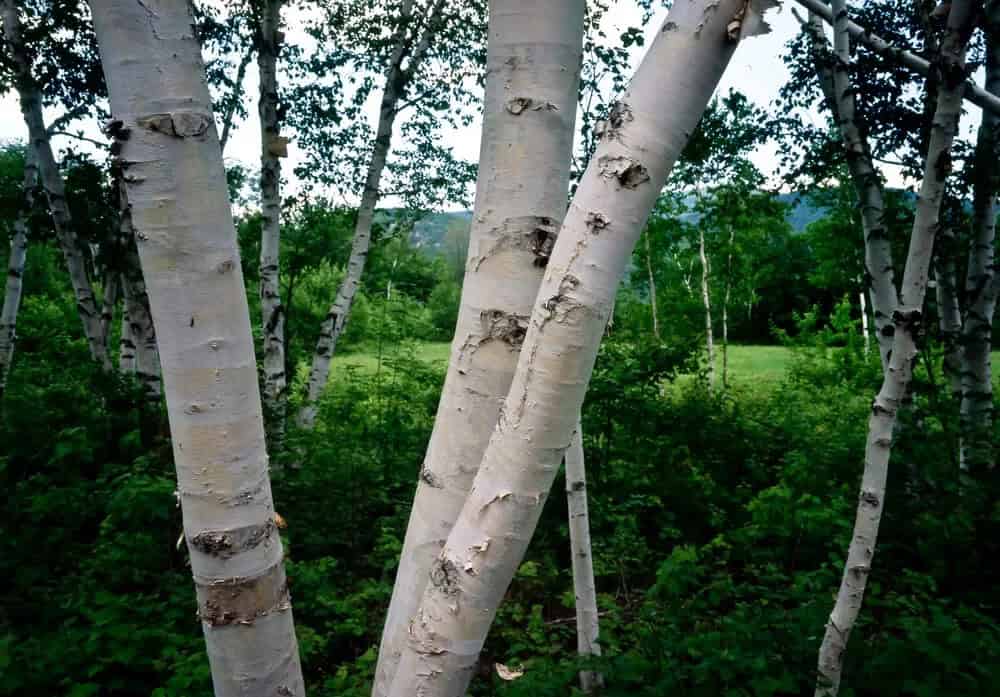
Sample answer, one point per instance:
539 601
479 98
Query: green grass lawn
766 363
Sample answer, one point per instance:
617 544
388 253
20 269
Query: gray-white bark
980 281
533 58
109 301
836 85
864 322
139 355
15 270
897 377
584 587
706 301
52 183
984 99
177 195
644 137
397 78
272 148
126 344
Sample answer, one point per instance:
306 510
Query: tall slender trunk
52 183
949 314
835 81
15 270
864 322
397 79
725 308
645 135
980 281
142 354
652 288
533 58
584 587
177 196
126 343
706 300
272 148
109 301
897 377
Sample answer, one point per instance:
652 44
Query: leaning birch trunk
836 84
177 196
706 300
649 128
272 147
584 587
396 79
52 183
533 59
897 377
976 415
652 288
15 270
949 313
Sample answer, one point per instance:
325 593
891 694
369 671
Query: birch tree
532 78
647 131
706 300
419 29
15 270
30 97
905 321
176 189
976 414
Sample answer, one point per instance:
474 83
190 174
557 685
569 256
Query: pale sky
756 70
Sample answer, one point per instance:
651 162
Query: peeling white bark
980 282
584 587
647 131
52 183
396 79
897 377
169 152
15 270
533 61
272 147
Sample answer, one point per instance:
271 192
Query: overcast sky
756 70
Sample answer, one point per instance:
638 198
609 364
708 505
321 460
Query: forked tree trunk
652 288
980 281
834 78
52 183
645 135
584 587
397 79
272 148
897 377
706 301
15 270
177 196
533 59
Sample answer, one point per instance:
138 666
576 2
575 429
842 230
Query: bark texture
397 78
584 587
272 148
176 185
649 127
15 270
906 320
533 61
140 354
126 344
30 97
834 78
980 281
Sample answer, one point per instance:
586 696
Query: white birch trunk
864 322
897 377
980 283
725 308
126 344
652 289
177 195
15 270
839 92
650 127
949 313
109 299
272 147
706 300
533 60
52 183
584 587
396 80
